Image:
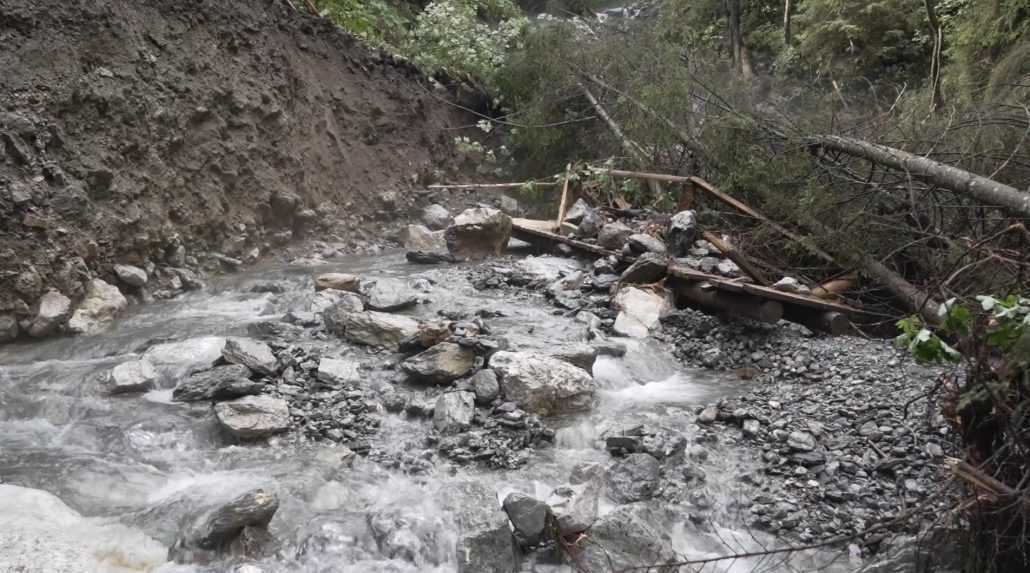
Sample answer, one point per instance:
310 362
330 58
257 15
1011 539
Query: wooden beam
689 274
828 321
495 185
536 236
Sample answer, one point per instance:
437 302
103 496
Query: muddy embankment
180 137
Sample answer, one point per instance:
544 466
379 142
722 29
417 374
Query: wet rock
429 258
575 506
626 538
708 415
274 329
542 384
727 268
613 236
801 441
338 372
428 335
633 478
8 327
441 364
582 355
648 268
177 359
644 243
485 386
130 275
509 205
681 233
585 472
386 294
436 217
340 302
189 279
408 534
485 543
419 238
612 348
133 376
251 353
211 533
253 417
28 283
102 303
302 318
453 412
373 328
586 219
529 516
478 233
338 281
640 312
219 383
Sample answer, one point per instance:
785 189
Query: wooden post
564 197
709 298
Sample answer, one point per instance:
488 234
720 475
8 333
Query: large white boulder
543 384
102 303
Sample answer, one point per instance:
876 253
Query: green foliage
1007 330
870 38
379 22
467 36
988 44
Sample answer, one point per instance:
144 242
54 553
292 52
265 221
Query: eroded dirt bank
171 135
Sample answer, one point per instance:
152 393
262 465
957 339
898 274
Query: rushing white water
121 471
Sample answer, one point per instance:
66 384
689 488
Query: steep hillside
154 132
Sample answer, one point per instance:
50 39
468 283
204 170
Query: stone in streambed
219 383
174 360
102 303
613 236
648 268
373 328
542 384
801 441
644 243
485 386
251 353
419 238
485 543
133 376
338 281
453 412
436 217
681 233
441 364
330 297
132 276
337 371
626 538
253 417
386 294
575 506
212 532
529 517
640 311
633 478
478 233
52 312
581 355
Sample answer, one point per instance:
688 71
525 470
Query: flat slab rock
219 383
254 417
373 328
441 364
251 353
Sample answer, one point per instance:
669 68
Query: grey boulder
681 233
485 386
373 328
420 238
8 327
387 294
648 268
441 364
253 417
633 478
529 517
53 311
575 506
613 236
453 412
102 303
212 532
644 243
626 538
436 217
640 312
133 376
338 281
219 383
543 384
253 354
338 371
130 275
478 233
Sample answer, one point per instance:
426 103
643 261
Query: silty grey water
129 467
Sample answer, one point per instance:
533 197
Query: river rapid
92 482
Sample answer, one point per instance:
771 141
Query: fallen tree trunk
952 178
495 185
708 297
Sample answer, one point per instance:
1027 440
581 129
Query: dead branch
495 185
731 253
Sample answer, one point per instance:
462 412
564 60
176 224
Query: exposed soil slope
130 129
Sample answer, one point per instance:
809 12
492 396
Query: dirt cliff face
151 132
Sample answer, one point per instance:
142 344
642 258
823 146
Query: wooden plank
564 195
533 234
495 185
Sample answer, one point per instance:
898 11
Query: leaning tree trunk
786 22
952 178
